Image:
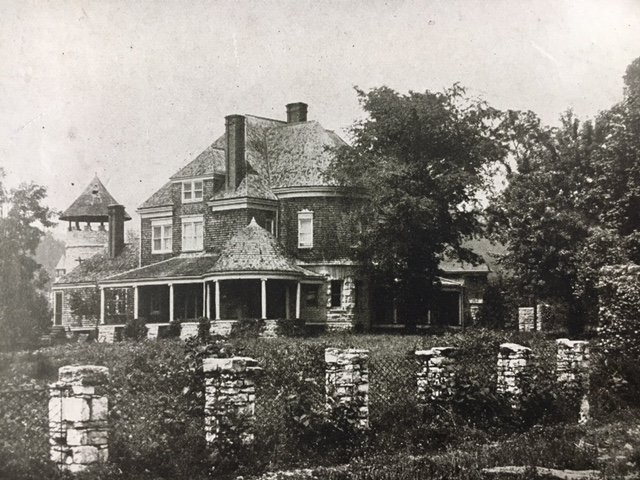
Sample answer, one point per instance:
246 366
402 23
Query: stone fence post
513 363
230 399
347 383
436 376
78 417
572 368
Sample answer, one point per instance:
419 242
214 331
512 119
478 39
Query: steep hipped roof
162 198
287 154
210 161
176 267
91 205
253 249
101 266
252 185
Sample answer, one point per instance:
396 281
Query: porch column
208 311
263 296
298 293
287 301
217 283
171 302
102 305
136 301
204 299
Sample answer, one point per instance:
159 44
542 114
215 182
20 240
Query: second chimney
234 155
296 112
116 230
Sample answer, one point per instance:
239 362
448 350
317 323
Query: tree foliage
421 160
572 204
23 306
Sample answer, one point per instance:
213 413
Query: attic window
192 191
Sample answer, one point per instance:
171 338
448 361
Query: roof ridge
265 118
137 268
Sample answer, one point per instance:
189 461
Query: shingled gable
92 204
161 198
209 162
254 249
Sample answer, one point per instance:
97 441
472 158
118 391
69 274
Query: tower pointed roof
91 205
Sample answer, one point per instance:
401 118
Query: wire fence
24 422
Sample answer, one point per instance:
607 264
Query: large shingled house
250 228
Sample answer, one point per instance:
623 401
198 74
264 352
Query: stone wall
341 318
189 330
230 396
110 333
78 417
347 384
221 328
436 375
526 319
156 331
512 371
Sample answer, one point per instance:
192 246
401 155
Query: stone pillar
542 311
436 374
230 399
347 383
526 319
572 368
513 362
78 417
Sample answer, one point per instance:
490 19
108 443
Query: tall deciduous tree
573 203
421 159
23 306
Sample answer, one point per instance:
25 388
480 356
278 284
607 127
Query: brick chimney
235 159
116 230
296 112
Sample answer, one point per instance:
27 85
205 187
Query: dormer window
192 191
305 229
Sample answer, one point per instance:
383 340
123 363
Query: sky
133 90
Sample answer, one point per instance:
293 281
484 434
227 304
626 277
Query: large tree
24 310
572 203
421 159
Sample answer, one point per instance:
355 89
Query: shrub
135 329
290 327
247 327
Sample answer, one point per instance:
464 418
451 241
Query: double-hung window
192 191
305 229
161 234
192 233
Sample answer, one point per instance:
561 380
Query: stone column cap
514 347
435 351
233 364
338 355
83 375
571 343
